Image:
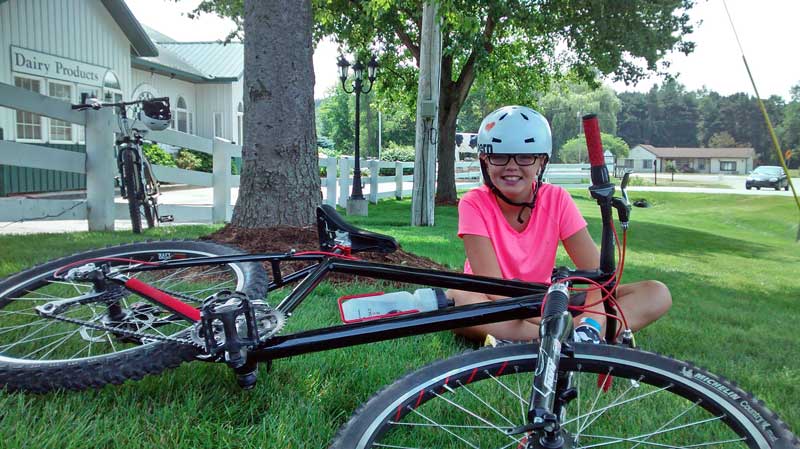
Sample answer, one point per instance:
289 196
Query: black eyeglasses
522 160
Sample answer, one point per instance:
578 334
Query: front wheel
473 400
39 353
133 189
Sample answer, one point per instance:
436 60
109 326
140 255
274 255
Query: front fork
551 389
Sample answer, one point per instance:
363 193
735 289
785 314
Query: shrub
157 156
402 153
188 160
195 160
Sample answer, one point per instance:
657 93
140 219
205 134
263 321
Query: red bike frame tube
168 301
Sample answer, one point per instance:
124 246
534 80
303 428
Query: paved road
203 196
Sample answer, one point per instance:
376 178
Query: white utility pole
423 193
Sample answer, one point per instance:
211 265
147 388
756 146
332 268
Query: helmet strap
522 205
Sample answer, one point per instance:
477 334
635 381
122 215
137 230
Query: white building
70 48
695 160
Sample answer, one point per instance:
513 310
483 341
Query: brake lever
622 205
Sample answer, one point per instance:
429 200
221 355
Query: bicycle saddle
334 230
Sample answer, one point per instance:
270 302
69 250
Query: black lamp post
357 87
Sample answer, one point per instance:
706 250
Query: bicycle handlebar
591 129
99 105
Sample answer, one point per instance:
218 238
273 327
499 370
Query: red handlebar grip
591 129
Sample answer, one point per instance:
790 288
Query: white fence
100 168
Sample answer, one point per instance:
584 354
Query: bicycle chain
124 332
280 319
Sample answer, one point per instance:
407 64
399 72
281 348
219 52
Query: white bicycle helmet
155 115
515 130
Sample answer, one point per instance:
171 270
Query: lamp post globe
356 203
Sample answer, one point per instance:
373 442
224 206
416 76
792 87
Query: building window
191 123
112 91
240 122
182 115
218 124
628 163
647 163
29 125
727 165
60 131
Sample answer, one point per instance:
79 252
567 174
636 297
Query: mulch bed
280 239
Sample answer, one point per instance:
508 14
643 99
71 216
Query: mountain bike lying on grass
137 182
123 312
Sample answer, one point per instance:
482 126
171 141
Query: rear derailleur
231 325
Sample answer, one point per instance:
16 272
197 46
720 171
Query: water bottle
373 306
588 331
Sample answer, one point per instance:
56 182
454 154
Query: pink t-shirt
528 255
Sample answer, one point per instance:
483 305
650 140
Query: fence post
398 180
221 159
100 169
374 169
330 180
344 181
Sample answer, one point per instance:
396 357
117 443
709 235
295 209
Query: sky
765 27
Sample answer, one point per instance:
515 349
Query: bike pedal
166 219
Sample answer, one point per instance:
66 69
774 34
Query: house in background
70 48
734 161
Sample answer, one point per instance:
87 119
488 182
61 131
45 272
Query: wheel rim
27 337
472 407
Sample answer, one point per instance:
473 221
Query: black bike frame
525 301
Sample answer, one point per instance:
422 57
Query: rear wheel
473 400
40 353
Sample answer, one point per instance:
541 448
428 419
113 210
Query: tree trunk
451 98
280 183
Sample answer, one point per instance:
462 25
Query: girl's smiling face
515 178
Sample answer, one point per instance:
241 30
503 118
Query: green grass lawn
730 261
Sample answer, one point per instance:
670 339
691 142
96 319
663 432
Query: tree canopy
516 47
574 151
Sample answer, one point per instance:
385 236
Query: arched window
112 89
240 122
181 115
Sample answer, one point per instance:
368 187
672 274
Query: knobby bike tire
127 360
470 400
134 189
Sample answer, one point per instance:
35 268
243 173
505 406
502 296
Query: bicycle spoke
675 418
486 404
471 413
601 410
60 342
599 413
443 428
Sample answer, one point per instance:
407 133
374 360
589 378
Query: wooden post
222 180
398 180
374 169
100 169
422 203
344 181
330 180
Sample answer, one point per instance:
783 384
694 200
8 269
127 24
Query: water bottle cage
228 324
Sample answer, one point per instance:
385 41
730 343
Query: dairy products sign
49 66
